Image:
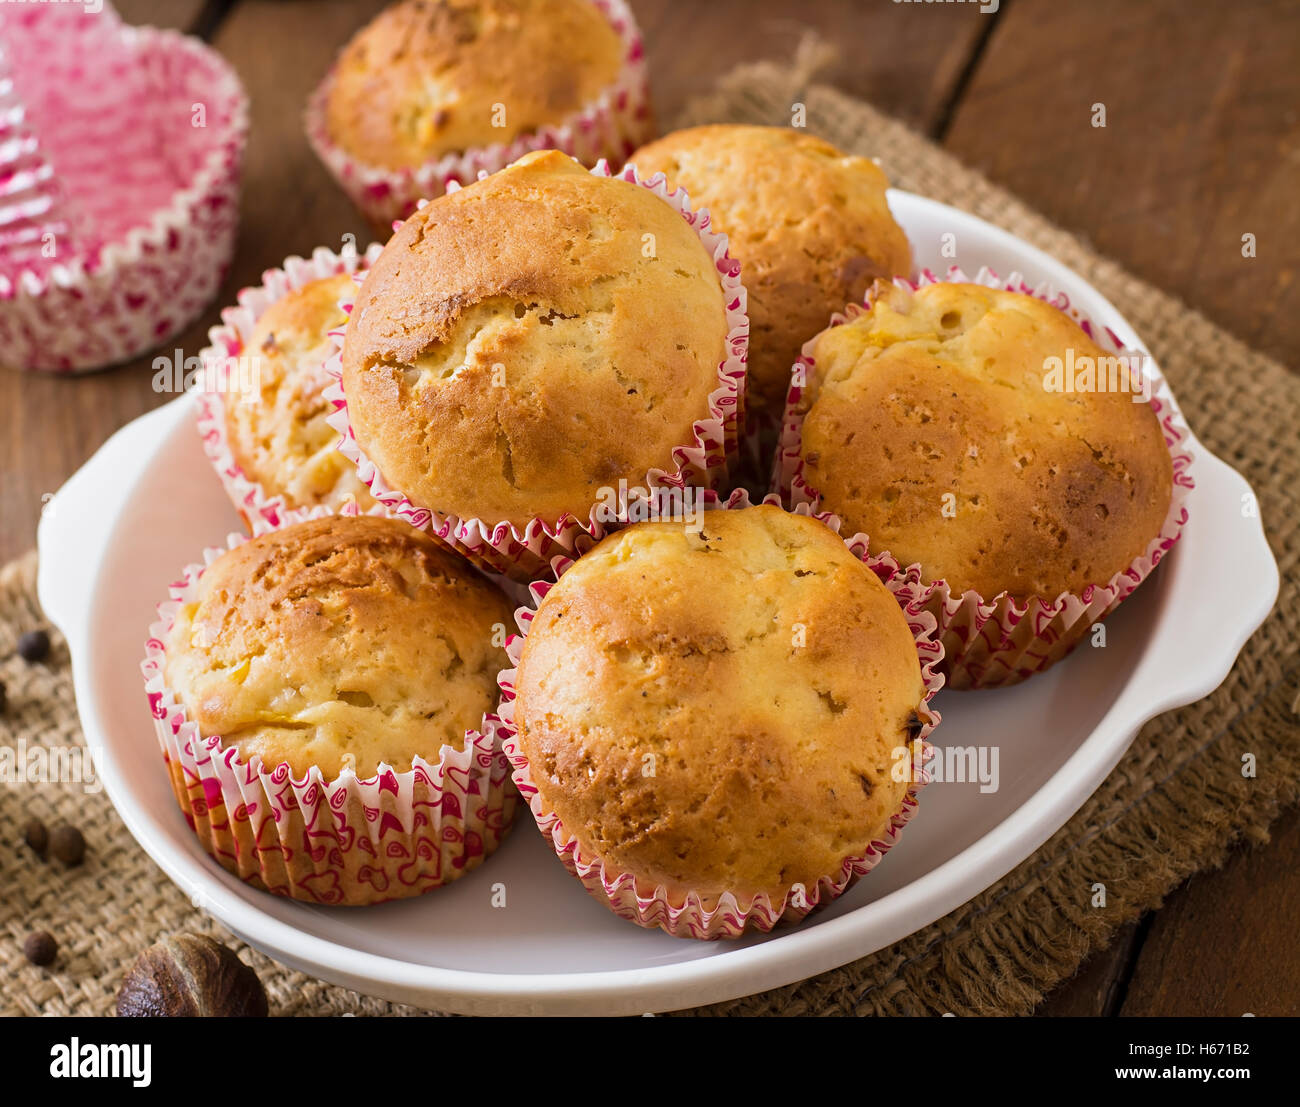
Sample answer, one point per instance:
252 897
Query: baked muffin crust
432 77
339 641
942 391
719 708
530 339
809 224
279 437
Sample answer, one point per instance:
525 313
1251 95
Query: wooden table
1202 145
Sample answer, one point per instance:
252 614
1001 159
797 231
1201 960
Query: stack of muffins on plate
716 709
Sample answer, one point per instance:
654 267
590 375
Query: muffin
434 90
328 681
809 224
525 344
274 420
927 422
425 77
718 719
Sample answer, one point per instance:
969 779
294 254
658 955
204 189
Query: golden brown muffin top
942 391
432 77
339 642
809 224
278 434
526 341
719 708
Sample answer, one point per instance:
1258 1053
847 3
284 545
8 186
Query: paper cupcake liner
703 463
348 841
694 915
101 302
1001 641
227 343
617 123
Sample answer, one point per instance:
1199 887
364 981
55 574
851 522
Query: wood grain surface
1201 146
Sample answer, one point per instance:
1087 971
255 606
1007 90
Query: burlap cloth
1175 804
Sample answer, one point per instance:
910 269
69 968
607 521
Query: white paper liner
526 553
347 841
1000 641
227 342
617 123
134 294
694 916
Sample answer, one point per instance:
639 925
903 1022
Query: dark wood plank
1225 942
1198 149
290 205
905 58
1201 108
179 15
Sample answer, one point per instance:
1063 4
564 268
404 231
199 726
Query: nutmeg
187 976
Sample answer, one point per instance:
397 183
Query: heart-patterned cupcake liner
97 267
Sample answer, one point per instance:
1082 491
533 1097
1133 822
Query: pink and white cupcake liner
348 841
618 122
990 642
118 210
694 916
228 342
526 553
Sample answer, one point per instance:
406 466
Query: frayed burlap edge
1175 804
117 902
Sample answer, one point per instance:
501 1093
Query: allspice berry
67 844
40 948
36 836
187 976
34 645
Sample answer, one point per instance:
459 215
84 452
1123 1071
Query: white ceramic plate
147 504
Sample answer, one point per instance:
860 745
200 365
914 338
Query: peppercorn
36 836
34 645
67 844
40 948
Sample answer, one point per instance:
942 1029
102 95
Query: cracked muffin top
339 642
530 339
432 77
630 655
809 224
928 425
278 434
